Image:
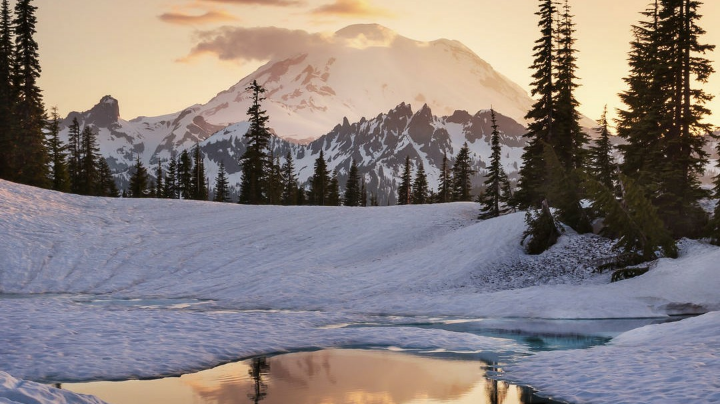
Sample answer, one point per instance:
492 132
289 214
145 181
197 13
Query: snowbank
244 280
668 363
14 391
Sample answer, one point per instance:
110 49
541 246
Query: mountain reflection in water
327 377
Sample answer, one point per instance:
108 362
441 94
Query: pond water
322 377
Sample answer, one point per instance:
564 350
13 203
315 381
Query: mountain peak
366 35
370 31
105 113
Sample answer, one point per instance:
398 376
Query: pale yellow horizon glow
92 48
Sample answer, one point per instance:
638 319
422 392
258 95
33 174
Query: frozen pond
327 376
378 358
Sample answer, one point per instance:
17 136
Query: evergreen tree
30 156
445 186
171 182
495 198
275 182
420 186
542 231
462 175
198 184
632 219
352 191
714 225
533 172
89 157
333 197
7 119
255 162
640 124
601 164
139 180
58 157
405 188
290 183
184 176
74 156
565 193
683 54
568 138
222 191
160 181
320 183
663 119
106 183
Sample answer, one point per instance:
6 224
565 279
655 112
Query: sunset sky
143 52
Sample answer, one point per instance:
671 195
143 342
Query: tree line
652 197
23 152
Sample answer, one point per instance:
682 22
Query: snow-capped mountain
362 70
379 147
122 141
356 72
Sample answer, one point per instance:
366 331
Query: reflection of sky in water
322 377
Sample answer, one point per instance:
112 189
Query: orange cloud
253 44
352 8
261 2
187 19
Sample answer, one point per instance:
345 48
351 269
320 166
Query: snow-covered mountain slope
379 147
360 71
122 141
365 69
104 288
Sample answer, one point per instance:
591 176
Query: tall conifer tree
445 186
462 175
222 191
139 180
7 119
601 164
106 183
89 167
171 182
184 175
352 187
74 155
159 180
320 182
405 188
569 138
31 157
58 156
663 121
333 198
495 198
420 192
290 183
255 161
533 173
197 178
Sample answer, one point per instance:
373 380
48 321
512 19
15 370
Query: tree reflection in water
259 367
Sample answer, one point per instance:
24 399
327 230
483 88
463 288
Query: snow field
306 270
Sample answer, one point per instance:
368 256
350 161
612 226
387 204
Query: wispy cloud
261 2
189 19
352 8
254 44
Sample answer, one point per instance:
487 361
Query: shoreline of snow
665 363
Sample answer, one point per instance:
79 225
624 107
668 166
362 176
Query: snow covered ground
94 288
